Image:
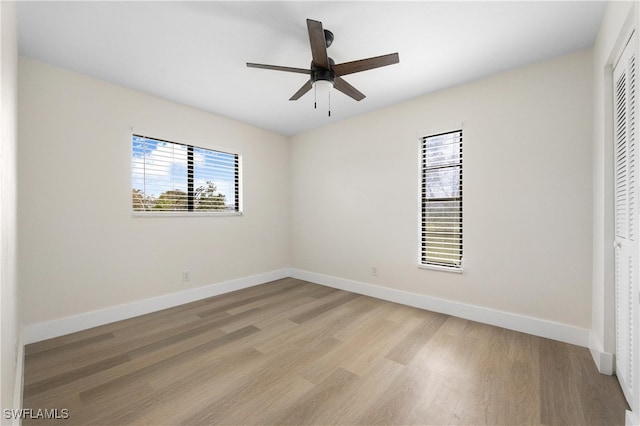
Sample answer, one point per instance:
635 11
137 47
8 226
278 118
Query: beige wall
355 189
8 208
334 201
80 248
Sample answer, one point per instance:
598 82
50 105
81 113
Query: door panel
626 220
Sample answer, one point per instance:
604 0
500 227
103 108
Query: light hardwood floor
292 352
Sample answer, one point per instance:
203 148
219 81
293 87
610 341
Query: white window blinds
441 242
173 177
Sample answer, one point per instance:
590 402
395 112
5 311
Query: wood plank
124 380
414 341
559 395
324 308
77 374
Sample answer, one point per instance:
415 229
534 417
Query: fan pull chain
329 103
315 96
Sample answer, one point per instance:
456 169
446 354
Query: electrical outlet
374 271
186 275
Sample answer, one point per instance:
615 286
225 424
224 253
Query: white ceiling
195 53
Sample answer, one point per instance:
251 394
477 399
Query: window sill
186 214
441 268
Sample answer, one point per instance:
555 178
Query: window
174 177
441 238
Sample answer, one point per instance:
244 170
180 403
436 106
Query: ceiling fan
323 68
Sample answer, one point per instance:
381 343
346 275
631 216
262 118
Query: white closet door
626 221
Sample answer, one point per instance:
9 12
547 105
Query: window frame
191 146
423 136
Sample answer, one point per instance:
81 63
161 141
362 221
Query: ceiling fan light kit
324 72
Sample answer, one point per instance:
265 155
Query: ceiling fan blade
304 89
279 68
318 44
347 89
365 64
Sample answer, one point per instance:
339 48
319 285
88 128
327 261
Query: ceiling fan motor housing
319 73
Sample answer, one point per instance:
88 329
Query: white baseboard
59 327
530 325
605 361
